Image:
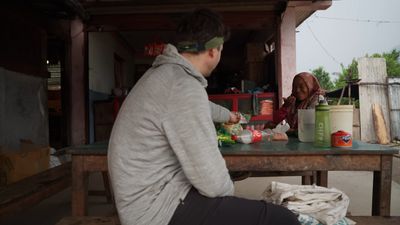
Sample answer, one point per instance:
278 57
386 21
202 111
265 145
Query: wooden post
381 196
286 52
372 89
78 83
394 106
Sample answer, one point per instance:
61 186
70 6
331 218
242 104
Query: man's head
200 38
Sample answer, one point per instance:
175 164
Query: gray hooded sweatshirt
164 142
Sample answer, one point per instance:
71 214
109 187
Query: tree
392 62
392 67
323 78
350 72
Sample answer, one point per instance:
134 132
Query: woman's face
300 89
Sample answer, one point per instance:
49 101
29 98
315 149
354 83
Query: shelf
262 118
244 103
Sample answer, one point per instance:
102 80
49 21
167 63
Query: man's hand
234 118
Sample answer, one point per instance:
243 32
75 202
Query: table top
291 147
294 146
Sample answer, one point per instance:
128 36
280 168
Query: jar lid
341 133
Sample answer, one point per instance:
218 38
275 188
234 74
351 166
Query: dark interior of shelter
117 49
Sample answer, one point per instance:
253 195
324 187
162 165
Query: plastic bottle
322 137
248 136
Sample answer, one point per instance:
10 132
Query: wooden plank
361 220
88 220
303 163
394 106
372 89
32 190
379 124
376 220
94 163
307 177
356 124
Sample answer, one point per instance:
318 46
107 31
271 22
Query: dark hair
201 26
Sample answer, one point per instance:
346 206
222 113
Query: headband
190 46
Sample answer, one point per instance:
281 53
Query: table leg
79 187
322 178
382 188
106 181
307 179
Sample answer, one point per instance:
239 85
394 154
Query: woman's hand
234 118
289 101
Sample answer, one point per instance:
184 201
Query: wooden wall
22 43
373 90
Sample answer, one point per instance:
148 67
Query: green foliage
392 62
350 72
392 67
323 78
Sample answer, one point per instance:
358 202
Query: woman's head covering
314 90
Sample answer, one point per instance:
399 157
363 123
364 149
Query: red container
342 139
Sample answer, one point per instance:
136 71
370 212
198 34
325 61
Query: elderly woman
305 94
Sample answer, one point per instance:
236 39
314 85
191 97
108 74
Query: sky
346 30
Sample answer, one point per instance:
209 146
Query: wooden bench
89 220
376 220
25 193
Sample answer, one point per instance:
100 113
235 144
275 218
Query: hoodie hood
170 55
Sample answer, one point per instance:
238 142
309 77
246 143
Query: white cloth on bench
327 205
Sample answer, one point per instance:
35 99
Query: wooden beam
250 20
78 83
102 8
118 22
89 220
124 22
286 52
310 5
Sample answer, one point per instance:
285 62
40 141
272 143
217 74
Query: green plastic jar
322 137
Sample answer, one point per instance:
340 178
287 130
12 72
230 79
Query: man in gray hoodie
164 162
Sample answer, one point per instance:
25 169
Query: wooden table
264 157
